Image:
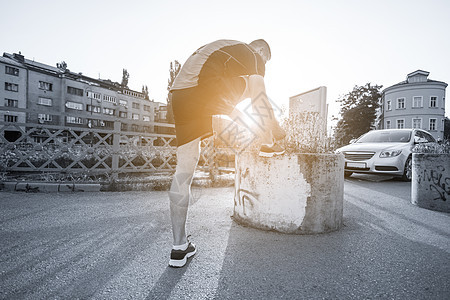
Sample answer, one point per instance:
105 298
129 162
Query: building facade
13 94
417 102
57 96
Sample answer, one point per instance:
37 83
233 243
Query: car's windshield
385 137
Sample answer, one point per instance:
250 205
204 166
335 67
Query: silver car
386 151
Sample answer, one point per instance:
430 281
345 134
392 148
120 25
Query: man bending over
213 80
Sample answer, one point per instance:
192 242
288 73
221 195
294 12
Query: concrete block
292 193
430 184
79 187
46 187
9 186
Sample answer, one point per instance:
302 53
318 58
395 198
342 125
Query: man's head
262 47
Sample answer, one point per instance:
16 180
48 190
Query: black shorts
194 107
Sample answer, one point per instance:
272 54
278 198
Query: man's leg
180 190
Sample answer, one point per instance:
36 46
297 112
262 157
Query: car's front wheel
407 171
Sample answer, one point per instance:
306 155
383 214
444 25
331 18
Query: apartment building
57 96
417 102
13 95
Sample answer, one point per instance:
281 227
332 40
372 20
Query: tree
175 67
358 113
125 77
447 129
145 91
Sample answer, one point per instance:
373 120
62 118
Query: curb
44 187
161 184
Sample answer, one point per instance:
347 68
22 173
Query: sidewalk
116 246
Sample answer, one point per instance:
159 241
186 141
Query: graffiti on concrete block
248 197
438 183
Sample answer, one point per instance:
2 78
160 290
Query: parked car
386 151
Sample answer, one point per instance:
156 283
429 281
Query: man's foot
178 258
270 150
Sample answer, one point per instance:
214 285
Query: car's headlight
390 153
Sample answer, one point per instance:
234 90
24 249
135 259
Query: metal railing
27 147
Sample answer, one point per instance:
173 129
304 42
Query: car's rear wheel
347 173
407 171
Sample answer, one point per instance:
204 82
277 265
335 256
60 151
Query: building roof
417 72
7 60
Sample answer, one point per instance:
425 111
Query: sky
337 44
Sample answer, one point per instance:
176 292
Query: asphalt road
116 246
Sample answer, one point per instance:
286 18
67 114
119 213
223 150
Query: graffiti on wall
243 197
438 182
247 198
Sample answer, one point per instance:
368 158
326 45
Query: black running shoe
178 258
269 151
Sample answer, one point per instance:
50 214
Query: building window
400 103
109 124
10 118
146 118
135 116
108 111
46 86
134 94
74 105
388 105
44 101
74 120
44 117
417 101
12 87
432 126
122 114
74 91
11 103
433 101
93 108
11 71
92 123
400 124
110 99
92 95
417 123
134 127
123 102
388 124
136 105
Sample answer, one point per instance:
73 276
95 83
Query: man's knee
181 180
